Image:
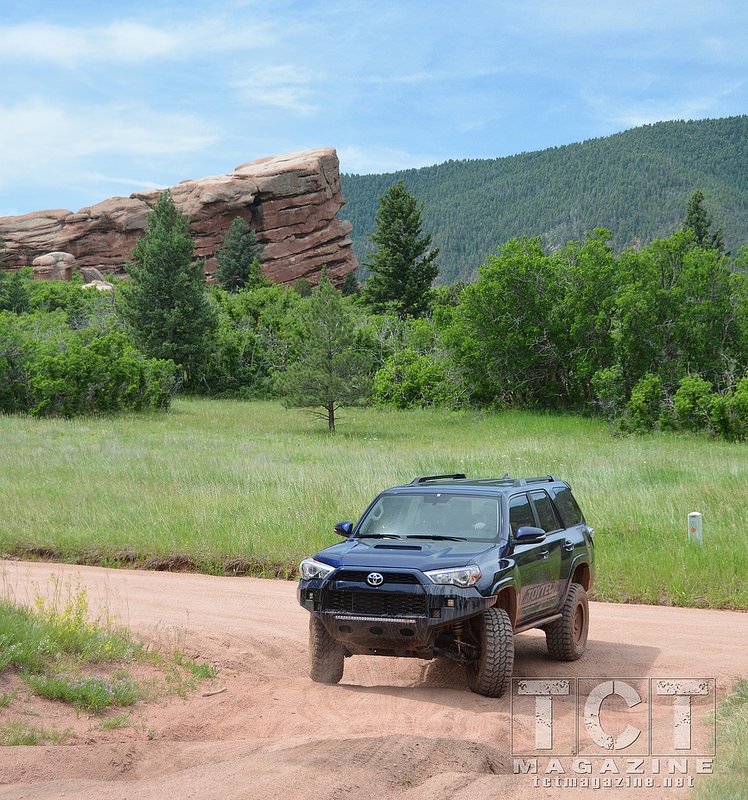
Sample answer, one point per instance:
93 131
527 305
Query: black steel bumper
401 620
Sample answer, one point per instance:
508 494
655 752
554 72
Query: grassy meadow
250 488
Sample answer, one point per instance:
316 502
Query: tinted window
446 514
567 506
520 512
545 512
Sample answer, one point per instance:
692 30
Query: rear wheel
490 674
326 656
567 637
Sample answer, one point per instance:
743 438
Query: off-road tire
326 656
491 673
567 637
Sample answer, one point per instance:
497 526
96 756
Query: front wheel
567 637
326 656
491 673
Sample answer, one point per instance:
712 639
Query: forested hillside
636 184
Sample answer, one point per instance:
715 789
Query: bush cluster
61 354
653 338
694 407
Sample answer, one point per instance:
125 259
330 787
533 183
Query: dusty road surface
393 728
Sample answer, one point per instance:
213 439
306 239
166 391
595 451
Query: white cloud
282 86
118 42
39 136
626 113
126 41
376 159
100 177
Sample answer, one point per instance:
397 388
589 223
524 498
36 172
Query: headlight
311 569
462 577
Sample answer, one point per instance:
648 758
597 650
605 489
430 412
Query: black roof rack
541 479
456 476
426 478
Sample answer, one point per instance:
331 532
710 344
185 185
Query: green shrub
729 413
105 375
692 403
644 409
411 380
49 369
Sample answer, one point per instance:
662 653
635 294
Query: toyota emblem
375 579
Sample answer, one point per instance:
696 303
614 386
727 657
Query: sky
101 99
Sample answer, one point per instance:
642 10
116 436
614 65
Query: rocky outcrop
290 201
55 266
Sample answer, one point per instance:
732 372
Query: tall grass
232 487
730 782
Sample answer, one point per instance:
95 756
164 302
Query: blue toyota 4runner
447 566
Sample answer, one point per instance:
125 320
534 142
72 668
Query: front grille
377 604
359 576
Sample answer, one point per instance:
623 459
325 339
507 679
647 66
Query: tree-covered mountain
636 183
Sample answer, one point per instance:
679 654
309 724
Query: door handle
543 554
568 545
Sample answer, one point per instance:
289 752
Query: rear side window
545 512
567 506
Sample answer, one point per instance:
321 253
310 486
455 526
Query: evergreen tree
699 222
238 260
14 291
165 304
404 265
350 285
331 370
302 287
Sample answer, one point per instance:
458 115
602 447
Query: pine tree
238 260
350 285
404 265
165 304
14 292
331 370
699 222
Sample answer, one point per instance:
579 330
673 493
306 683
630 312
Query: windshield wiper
437 537
378 536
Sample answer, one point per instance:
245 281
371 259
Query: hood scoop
398 547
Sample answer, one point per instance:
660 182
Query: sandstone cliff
291 201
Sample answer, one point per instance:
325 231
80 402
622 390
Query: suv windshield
432 514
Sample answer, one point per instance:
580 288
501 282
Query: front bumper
396 619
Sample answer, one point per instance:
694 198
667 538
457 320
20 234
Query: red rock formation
291 201
54 267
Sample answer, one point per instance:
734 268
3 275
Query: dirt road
393 728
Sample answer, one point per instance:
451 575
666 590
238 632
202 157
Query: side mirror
529 534
343 529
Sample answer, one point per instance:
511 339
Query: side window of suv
545 512
520 512
567 506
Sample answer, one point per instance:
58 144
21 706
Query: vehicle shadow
418 680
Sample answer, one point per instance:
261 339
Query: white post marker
694 528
